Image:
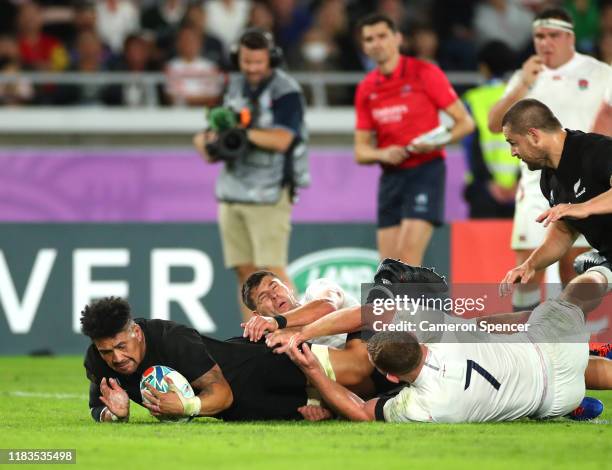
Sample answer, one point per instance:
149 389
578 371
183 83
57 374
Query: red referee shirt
403 105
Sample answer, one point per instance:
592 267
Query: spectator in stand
38 50
137 57
453 23
212 47
318 51
192 79
163 20
396 10
261 16
605 18
332 18
586 23
504 20
89 59
20 91
226 19
604 47
292 20
85 19
116 20
423 43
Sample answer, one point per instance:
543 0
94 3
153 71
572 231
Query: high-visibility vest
504 168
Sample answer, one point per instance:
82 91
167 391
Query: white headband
554 23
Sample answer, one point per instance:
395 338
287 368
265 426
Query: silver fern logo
577 191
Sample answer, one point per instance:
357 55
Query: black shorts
412 193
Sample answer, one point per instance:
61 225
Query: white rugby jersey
574 92
473 382
313 291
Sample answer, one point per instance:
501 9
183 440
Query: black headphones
276 53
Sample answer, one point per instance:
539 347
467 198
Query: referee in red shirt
397 103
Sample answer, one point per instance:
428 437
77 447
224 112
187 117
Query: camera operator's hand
201 139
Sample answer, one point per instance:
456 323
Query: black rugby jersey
584 172
264 385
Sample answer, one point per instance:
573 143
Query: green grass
30 418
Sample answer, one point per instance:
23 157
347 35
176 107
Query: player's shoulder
161 330
586 61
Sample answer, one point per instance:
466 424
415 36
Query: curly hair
106 317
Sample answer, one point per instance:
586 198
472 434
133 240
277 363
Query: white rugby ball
155 376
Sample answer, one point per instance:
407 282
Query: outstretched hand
304 358
114 397
521 274
574 211
257 326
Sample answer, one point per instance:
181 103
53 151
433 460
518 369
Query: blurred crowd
190 41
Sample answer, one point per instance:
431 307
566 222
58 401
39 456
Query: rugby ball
155 376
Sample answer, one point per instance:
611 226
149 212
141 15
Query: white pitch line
60 396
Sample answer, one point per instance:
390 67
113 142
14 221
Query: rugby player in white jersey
539 374
275 306
578 89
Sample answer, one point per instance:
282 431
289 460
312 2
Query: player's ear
137 332
534 136
392 378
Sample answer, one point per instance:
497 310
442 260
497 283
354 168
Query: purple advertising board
175 185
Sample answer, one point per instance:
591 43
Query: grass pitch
43 404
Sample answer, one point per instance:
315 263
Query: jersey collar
398 72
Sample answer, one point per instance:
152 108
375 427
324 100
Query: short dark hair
106 317
557 13
256 39
375 18
498 57
529 113
251 284
395 352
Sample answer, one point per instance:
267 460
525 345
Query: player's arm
345 320
601 204
338 398
215 393
326 297
514 318
558 240
214 396
518 89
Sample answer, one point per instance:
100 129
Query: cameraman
264 159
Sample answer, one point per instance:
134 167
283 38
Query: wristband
192 406
113 416
281 321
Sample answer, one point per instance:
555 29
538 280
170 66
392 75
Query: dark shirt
264 385
584 172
